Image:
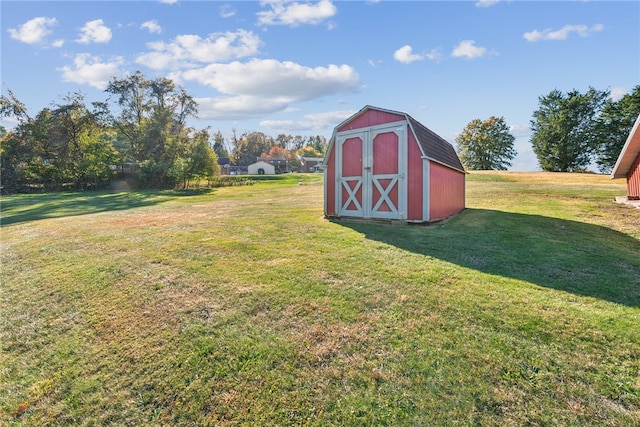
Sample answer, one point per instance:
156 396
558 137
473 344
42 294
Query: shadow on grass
32 207
576 257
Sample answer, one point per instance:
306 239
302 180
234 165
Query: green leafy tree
250 146
10 106
319 144
238 147
62 147
486 145
219 146
564 135
198 160
152 120
71 129
297 142
284 141
13 149
9 163
613 127
99 157
39 147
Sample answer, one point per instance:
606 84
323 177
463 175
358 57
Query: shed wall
446 191
370 118
633 180
433 191
415 190
330 184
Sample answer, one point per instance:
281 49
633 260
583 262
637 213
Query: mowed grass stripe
243 305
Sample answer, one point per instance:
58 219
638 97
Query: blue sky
300 68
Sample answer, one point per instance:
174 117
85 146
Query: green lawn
244 306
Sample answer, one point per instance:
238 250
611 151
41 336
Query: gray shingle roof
434 146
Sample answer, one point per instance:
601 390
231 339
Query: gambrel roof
629 153
433 146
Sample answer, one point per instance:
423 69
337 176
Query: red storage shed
383 164
628 164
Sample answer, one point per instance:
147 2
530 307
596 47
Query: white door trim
367 180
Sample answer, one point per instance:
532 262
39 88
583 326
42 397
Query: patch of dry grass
244 306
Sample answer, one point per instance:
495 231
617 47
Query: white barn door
349 195
371 166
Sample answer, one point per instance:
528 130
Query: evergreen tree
613 128
564 135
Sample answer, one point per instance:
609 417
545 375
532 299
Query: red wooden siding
330 184
352 157
414 180
351 167
392 196
633 180
385 161
446 191
385 148
381 178
371 118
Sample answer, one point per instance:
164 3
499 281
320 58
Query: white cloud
264 86
58 43
151 26
618 92
487 3
434 55
90 70
310 122
34 30
168 1
187 49
283 12
94 32
562 33
406 56
468 49
226 11
269 77
520 130
237 107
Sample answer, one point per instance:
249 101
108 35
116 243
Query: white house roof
629 152
260 163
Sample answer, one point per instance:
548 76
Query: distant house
383 164
225 165
261 168
280 164
628 164
311 164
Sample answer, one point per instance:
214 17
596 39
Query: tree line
139 134
570 131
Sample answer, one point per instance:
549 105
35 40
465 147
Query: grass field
244 306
